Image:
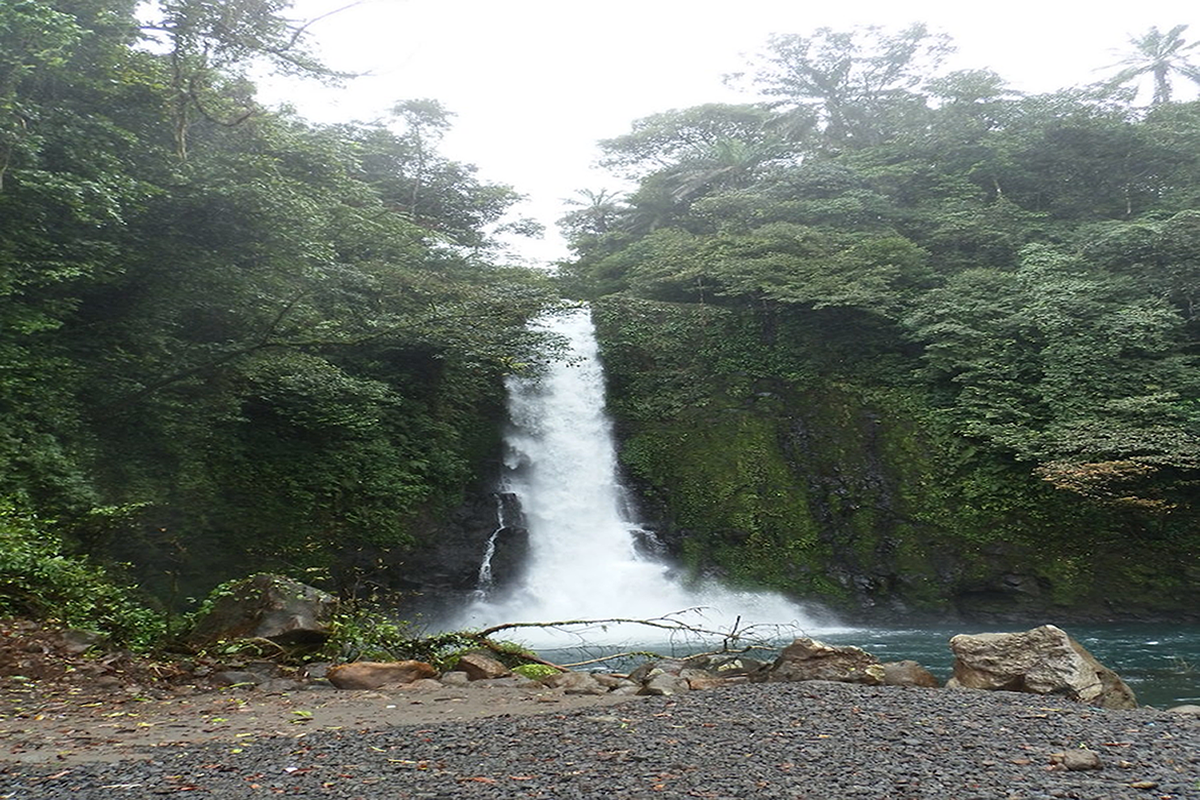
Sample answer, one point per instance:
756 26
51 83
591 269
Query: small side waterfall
485 582
584 562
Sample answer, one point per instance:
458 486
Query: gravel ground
817 741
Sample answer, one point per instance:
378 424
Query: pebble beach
813 740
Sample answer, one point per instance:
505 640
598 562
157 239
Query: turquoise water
1161 663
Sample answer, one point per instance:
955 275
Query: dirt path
82 728
63 707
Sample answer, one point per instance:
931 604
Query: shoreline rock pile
1044 660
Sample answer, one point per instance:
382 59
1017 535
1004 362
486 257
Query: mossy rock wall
769 456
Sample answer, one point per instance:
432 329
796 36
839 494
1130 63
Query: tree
1161 56
212 44
860 83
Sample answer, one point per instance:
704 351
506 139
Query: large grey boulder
810 660
1044 660
265 606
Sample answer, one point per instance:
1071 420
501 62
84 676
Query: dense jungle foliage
232 340
892 336
906 337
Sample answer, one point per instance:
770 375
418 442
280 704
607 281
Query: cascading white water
584 561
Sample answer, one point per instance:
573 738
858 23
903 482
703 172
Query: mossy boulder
264 606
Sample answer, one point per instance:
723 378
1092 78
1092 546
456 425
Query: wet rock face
448 556
509 556
1044 660
271 607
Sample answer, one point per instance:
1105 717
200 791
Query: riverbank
803 740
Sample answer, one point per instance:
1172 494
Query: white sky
535 83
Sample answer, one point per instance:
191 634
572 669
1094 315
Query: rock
481 667
810 660
611 681
231 677
455 678
669 666
272 607
281 686
651 668
1043 660
699 680
1185 709
575 682
76 642
265 670
507 682
315 671
664 685
444 559
908 673
1077 760
736 666
728 665
373 674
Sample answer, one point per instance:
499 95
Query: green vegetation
39 579
535 672
276 344
905 336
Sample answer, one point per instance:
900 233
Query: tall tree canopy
259 337
1027 246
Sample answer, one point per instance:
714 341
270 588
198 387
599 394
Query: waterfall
584 561
484 581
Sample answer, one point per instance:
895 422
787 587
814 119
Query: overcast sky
535 83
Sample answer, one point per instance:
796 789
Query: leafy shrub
39 579
534 671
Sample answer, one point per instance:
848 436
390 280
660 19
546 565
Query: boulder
75 642
698 679
481 667
728 665
1043 660
272 607
810 660
908 673
575 682
373 674
1077 760
664 684
233 677
609 681
649 669
455 678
